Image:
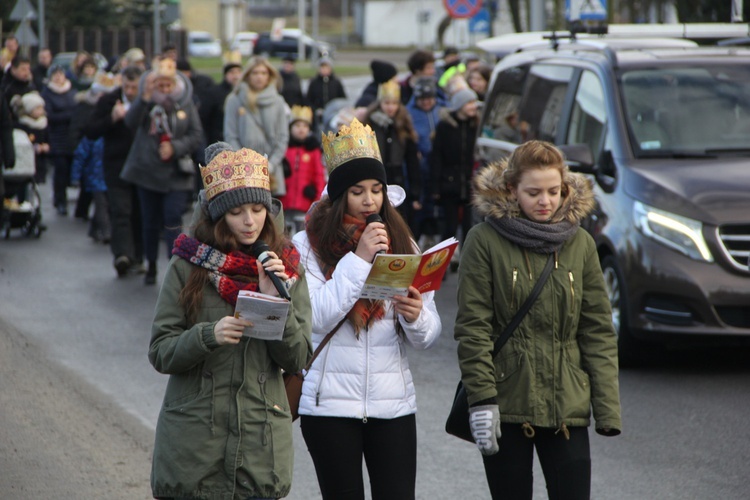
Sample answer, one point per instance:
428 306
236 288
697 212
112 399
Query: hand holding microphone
262 252
374 239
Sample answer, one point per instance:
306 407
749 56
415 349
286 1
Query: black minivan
662 128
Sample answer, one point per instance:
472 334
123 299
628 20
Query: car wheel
629 349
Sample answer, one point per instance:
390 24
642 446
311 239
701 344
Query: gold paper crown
352 141
235 169
303 113
389 90
166 68
456 83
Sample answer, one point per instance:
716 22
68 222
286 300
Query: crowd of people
149 142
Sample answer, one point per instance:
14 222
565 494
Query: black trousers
566 464
337 446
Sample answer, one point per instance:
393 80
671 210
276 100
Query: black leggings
566 464
337 445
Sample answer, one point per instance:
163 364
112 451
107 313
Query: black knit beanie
382 71
353 171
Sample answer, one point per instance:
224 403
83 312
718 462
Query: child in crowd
31 117
87 167
305 177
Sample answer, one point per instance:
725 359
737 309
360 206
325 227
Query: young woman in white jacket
358 398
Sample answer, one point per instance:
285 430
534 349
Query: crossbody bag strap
323 344
518 317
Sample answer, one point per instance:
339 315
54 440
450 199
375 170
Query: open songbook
267 313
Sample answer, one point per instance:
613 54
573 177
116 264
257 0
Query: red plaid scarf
365 311
234 271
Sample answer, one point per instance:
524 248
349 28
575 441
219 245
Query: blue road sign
480 23
462 9
586 10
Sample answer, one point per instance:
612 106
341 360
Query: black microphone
369 220
260 252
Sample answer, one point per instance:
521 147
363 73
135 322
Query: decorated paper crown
389 90
303 113
167 68
233 178
352 141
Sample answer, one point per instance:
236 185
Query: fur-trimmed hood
493 198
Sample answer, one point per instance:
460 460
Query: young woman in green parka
225 430
561 361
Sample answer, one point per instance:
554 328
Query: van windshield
688 110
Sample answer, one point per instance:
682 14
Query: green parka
224 430
562 359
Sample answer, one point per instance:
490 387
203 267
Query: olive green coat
224 430
561 362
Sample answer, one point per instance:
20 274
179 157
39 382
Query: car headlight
679 233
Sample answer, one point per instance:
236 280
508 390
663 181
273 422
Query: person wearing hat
358 397
452 161
324 88
30 116
305 178
291 87
225 429
167 129
382 71
421 63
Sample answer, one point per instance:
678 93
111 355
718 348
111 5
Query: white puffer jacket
365 377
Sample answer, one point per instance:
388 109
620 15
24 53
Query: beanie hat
54 68
325 60
462 97
184 65
234 178
352 156
425 87
382 71
30 101
231 66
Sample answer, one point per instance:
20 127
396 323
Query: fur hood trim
493 198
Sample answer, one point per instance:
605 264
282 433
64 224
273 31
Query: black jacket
214 109
7 151
10 86
291 90
452 157
117 136
322 90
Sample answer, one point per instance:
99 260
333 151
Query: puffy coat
360 377
59 105
307 178
452 157
144 167
264 130
224 430
562 359
87 165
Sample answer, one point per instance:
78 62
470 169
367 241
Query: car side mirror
579 157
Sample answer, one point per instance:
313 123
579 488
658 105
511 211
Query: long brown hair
401 121
328 233
218 235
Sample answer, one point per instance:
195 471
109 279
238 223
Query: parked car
203 44
244 42
661 127
288 45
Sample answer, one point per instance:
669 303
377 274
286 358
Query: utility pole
737 7
42 34
301 24
157 28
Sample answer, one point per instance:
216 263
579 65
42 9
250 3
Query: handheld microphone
260 252
369 220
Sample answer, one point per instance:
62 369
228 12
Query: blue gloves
484 422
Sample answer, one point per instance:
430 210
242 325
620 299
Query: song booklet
267 313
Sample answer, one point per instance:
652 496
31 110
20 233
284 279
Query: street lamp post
157 28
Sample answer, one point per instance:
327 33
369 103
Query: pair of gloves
484 422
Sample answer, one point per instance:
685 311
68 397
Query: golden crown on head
303 113
389 90
235 169
166 68
352 141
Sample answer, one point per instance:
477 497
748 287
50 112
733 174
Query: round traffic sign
462 9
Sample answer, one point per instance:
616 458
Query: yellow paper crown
235 169
352 141
389 90
166 68
303 113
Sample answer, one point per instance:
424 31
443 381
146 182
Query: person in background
60 102
538 393
108 122
170 51
323 89
31 117
8 53
306 178
421 63
452 163
233 438
214 128
291 86
382 71
255 117
397 142
358 399
84 71
425 114
478 79
132 57
17 80
7 150
449 66
39 72
167 128
203 86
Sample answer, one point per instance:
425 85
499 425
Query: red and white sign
462 9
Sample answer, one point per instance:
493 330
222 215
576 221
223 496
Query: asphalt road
79 399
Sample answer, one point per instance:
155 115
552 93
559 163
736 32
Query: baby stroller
22 202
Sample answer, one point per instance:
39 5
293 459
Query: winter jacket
400 155
10 86
214 109
291 89
425 123
117 136
59 106
360 377
264 130
143 166
307 177
7 150
561 361
87 165
452 158
324 89
224 430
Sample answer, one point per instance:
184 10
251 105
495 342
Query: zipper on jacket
513 288
572 291
210 377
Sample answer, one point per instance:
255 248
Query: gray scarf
537 237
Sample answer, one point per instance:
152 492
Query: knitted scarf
232 272
365 311
537 237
